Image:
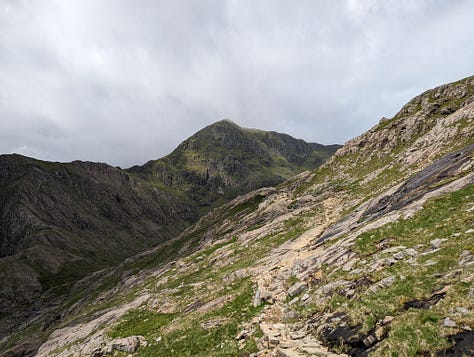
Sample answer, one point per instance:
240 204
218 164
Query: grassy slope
413 330
344 177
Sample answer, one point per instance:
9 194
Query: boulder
262 295
127 344
447 322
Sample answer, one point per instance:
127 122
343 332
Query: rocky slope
62 221
371 254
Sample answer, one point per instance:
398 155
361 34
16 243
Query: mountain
370 254
224 160
62 221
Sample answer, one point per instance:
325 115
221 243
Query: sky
125 81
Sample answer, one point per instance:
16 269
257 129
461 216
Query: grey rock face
421 183
297 288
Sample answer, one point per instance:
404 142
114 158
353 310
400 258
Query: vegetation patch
419 277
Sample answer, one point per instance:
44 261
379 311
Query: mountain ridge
318 265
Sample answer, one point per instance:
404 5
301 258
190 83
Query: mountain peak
224 160
225 122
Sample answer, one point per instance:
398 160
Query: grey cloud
125 81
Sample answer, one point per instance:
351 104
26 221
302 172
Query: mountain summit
224 160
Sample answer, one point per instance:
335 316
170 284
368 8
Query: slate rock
297 288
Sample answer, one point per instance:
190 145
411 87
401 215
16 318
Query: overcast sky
125 81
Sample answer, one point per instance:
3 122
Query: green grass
415 330
141 322
188 337
441 217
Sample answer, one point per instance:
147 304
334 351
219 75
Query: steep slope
372 253
62 221
224 160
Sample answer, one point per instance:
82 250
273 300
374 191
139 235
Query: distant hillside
59 222
224 160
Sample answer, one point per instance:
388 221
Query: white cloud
124 82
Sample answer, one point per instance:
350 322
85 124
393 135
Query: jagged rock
462 310
241 335
407 252
466 258
286 352
395 249
436 243
426 303
369 340
290 314
421 183
331 287
236 275
447 322
389 261
193 306
262 295
387 319
379 333
297 288
381 284
305 297
298 335
128 344
213 323
349 293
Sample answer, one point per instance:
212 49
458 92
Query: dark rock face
24 350
42 200
425 303
337 331
59 222
422 183
463 345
